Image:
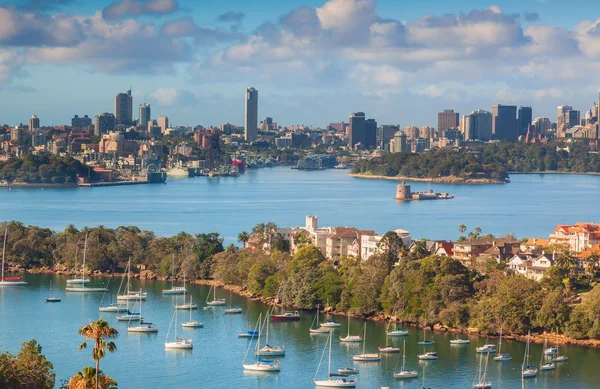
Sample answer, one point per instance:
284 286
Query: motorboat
388 350
486 348
348 371
550 351
460 341
428 356
330 324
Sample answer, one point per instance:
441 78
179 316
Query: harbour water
531 205
215 362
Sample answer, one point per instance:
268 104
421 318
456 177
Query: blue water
215 362
531 205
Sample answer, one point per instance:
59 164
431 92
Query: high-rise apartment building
427 132
251 114
163 123
477 125
447 119
370 133
145 115
411 132
525 118
34 122
124 108
504 122
81 122
356 129
104 122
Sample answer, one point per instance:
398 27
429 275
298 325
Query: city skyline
397 64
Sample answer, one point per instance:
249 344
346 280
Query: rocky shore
437 180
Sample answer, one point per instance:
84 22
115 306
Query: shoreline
439 180
557 172
378 317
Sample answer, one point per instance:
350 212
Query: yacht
405 373
486 348
333 380
432 355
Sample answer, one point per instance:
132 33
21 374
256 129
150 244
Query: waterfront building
525 117
81 122
145 116
124 108
447 119
251 114
356 129
577 237
504 122
103 123
34 122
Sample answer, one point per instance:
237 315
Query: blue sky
313 62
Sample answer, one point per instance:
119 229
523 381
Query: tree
554 313
26 370
420 249
243 238
462 228
390 246
100 332
88 379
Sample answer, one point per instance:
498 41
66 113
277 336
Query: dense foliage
28 369
42 168
492 161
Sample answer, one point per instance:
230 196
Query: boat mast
487 357
365 338
329 363
500 343
3 250
403 354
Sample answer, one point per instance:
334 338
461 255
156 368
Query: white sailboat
143 327
192 323
333 380
364 357
425 342
86 288
397 331
479 382
261 365
52 299
185 305
9 281
527 371
501 356
174 289
177 343
214 302
350 338
76 280
113 307
231 308
545 366
268 350
405 373
129 294
388 349
459 341
557 357
318 329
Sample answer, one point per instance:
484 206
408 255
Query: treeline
419 287
42 168
492 161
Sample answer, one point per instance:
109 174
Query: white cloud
125 8
168 97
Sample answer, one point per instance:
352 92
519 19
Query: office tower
542 125
504 122
163 123
525 118
387 134
560 118
356 130
81 122
477 125
447 119
145 115
251 114
104 122
34 122
571 118
370 133
124 108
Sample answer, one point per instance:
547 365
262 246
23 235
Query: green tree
555 311
100 333
89 378
243 238
390 246
26 370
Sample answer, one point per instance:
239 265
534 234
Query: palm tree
420 249
99 332
462 228
243 238
566 261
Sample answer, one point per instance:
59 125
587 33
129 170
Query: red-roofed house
578 237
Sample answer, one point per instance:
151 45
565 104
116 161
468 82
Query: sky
313 62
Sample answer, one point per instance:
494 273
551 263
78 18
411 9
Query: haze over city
314 62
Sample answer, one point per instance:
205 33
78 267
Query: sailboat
459 341
192 323
500 356
404 373
364 357
86 288
177 343
264 365
174 289
78 281
232 309
425 342
186 305
545 366
214 302
118 308
480 379
557 357
350 338
550 351
333 380
527 371
130 316
268 350
388 349
9 281
131 294
318 329
143 326
52 299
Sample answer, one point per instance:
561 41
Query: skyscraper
104 122
504 122
477 125
447 119
34 122
525 118
370 133
387 134
251 114
81 122
124 108
144 115
163 123
356 130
